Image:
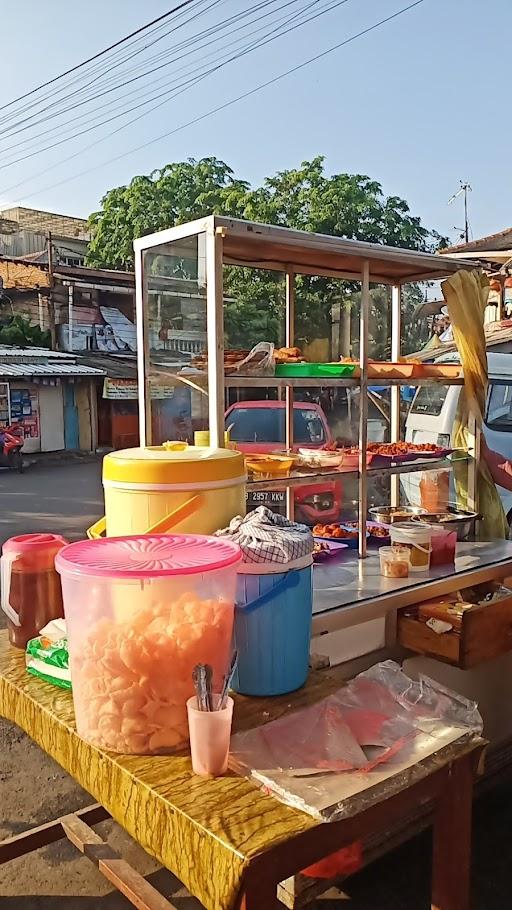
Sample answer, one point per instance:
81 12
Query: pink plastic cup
210 733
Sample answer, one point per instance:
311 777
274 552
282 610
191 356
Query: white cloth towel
266 537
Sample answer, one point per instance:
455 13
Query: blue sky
417 104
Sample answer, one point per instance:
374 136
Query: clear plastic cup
394 562
210 734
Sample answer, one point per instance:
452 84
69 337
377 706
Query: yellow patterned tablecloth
205 831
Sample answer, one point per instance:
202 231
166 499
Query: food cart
230 843
355 609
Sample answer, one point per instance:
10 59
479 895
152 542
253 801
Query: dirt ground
66 498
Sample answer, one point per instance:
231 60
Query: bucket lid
147 556
161 464
410 531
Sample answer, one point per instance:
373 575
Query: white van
432 416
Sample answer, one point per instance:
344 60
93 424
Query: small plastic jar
444 546
394 562
417 537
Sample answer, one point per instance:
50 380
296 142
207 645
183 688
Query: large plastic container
31 589
184 489
141 612
417 537
273 627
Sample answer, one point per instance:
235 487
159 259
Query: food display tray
318 370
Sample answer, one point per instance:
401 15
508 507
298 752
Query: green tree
174 194
19 331
306 198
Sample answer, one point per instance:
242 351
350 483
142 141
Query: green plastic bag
49 660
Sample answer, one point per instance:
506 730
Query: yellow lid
158 464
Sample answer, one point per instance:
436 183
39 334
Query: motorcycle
11 443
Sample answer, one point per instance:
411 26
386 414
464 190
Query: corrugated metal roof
13 351
41 368
114 366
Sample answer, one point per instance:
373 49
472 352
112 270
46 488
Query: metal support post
290 337
215 335
396 331
142 319
363 406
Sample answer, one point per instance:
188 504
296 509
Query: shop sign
122 389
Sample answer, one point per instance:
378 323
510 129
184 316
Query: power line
102 53
176 90
29 122
187 54
235 100
179 90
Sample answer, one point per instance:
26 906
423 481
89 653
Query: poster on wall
4 404
25 411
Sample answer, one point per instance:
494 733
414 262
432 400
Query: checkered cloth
265 537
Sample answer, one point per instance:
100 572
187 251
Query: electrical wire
96 56
126 95
150 110
242 97
181 87
29 121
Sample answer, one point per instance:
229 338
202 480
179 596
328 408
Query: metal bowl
387 515
454 519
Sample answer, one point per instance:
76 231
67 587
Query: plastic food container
326 370
417 537
31 589
389 370
442 370
322 458
435 490
178 488
394 562
444 546
141 612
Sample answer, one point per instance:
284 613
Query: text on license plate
266 497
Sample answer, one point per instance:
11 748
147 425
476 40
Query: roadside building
89 314
25 233
51 396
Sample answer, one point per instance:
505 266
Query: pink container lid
30 542
147 556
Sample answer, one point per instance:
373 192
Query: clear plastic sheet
260 361
376 727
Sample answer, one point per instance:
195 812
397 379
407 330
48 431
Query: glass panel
429 400
175 307
499 408
265 423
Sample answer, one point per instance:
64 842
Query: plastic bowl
269 464
320 458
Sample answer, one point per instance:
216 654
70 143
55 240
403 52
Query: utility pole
464 188
51 303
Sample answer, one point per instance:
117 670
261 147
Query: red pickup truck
259 426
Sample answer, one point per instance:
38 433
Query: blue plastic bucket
273 631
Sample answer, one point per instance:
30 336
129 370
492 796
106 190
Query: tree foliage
19 331
306 198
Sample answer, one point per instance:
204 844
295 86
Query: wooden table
228 842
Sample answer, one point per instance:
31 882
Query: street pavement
66 499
